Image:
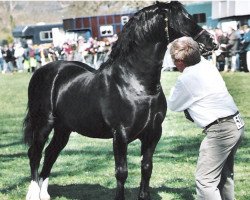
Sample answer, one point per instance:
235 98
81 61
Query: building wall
223 9
202 7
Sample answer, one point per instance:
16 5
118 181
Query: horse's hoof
44 195
144 196
33 191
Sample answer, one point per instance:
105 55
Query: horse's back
44 77
42 83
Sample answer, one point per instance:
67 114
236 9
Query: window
106 30
46 35
124 20
200 17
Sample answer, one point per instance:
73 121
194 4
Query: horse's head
180 23
157 24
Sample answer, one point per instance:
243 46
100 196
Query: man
233 48
201 92
246 43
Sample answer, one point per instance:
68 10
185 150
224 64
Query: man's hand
187 115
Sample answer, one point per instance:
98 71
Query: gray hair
185 49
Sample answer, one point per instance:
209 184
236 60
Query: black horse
122 100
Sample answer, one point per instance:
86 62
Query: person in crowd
38 56
233 48
19 51
80 53
26 58
67 51
32 58
9 58
246 45
202 94
53 53
1 59
222 60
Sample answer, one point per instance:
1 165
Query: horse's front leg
120 154
147 151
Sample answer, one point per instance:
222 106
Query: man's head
185 52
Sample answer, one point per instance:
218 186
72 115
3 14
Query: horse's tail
38 121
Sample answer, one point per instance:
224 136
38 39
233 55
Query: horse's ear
158 2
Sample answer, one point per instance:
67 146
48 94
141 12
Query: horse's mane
137 29
175 22
143 26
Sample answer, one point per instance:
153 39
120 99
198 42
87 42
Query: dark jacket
233 43
10 55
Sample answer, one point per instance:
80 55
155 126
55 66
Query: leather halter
194 38
199 34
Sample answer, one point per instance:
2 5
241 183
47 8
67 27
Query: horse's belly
90 127
96 131
100 135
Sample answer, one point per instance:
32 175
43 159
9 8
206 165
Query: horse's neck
146 63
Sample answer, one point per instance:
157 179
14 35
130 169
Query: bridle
195 38
199 34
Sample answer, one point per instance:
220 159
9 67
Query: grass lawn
85 168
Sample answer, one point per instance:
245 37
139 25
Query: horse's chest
135 112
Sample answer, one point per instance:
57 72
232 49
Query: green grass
85 168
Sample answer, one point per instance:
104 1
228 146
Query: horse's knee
121 173
146 166
146 169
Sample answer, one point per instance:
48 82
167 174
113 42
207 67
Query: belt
223 119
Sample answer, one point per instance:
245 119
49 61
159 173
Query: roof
29 30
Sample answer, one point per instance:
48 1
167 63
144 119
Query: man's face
179 65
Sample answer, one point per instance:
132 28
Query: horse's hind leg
35 155
58 142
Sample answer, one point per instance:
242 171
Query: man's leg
226 185
214 152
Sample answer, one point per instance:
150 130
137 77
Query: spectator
67 51
233 48
80 52
32 59
19 51
38 56
1 59
246 45
221 53
9 58
53 53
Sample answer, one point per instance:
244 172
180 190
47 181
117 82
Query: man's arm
180 98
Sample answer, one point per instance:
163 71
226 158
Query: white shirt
167 60
202 91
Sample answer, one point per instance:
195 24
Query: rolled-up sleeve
180 98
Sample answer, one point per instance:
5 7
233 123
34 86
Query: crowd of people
28 57
234 51
233 54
